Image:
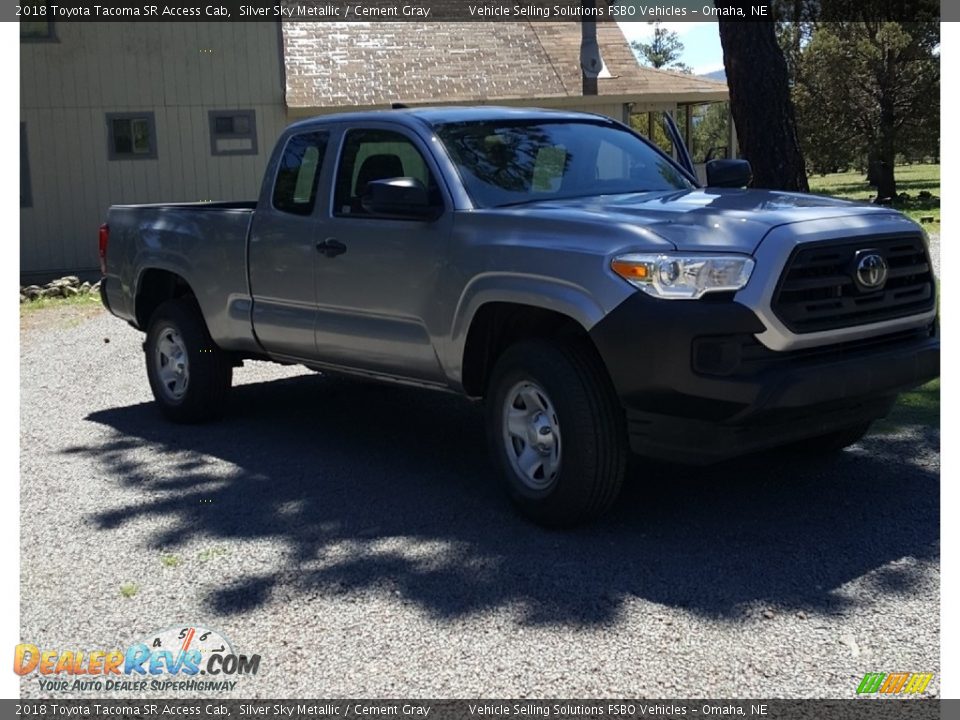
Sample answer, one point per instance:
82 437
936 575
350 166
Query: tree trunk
761 105
873 168
886 150
886 182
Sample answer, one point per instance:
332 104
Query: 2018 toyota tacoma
557 265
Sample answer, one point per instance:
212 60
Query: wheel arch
155 286
496 325
545 297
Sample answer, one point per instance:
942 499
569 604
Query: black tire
209 372
592 433
833 442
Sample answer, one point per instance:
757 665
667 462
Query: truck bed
205 243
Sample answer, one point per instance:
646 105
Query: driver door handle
331 247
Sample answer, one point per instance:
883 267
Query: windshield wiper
577 197
525 202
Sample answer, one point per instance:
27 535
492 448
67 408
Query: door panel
283 250
373 299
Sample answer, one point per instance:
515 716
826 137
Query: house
149 112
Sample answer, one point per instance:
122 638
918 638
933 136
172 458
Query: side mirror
729 173
401 197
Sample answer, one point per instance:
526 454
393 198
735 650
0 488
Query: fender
228 326
548 293
192 248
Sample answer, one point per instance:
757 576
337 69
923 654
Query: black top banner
459 11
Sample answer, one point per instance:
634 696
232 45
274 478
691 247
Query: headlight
683 277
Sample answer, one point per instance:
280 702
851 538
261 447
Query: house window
233 132
131 136
26 196
33 31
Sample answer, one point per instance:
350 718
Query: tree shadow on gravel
375 489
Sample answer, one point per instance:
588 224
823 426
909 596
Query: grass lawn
911 179
47 313
90 300
917 407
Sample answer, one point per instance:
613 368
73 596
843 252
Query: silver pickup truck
557 265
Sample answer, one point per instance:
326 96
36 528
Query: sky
701 42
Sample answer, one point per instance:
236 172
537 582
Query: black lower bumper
697 387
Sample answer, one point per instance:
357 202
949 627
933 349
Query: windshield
514 162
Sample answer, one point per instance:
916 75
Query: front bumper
697 387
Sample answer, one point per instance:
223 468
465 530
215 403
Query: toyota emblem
871 270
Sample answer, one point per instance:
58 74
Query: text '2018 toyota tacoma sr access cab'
557 265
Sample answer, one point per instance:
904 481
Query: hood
708 219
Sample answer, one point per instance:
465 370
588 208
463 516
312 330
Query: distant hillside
718 75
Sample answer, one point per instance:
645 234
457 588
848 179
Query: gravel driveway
355 537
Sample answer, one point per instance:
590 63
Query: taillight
104 240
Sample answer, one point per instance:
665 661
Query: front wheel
556 432
188 373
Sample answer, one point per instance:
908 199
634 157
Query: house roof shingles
334 65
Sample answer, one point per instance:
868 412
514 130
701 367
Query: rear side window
295 190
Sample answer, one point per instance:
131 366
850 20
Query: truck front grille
820 290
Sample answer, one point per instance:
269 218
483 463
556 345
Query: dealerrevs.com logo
894 683
190 658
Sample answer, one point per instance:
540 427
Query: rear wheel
556 432
188 373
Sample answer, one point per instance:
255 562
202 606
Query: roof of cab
439 115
